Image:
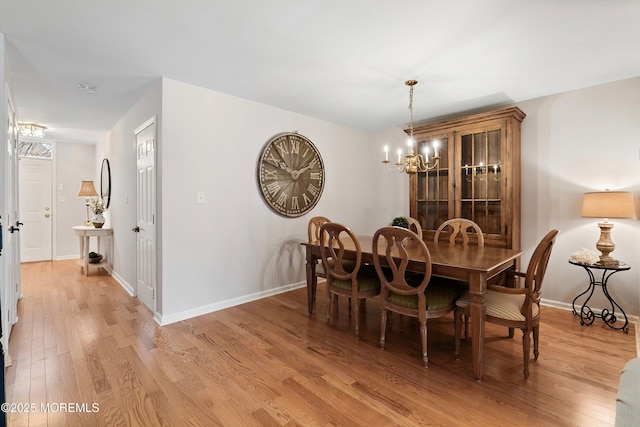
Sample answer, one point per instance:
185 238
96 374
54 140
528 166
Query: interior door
35 209
11 250
145 137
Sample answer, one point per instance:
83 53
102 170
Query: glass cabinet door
481 178
433 189
478 175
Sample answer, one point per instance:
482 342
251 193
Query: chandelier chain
411 111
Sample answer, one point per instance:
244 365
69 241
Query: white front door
35 210
146 213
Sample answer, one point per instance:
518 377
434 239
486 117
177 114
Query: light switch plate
200 199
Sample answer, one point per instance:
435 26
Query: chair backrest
333 237
538 265
414 225
392 244
313 229
459 228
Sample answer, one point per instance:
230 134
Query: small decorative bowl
95 260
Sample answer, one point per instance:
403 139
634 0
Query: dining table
468 263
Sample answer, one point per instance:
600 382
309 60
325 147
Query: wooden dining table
471 264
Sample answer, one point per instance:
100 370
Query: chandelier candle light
413 162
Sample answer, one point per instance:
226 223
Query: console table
608 316
85 234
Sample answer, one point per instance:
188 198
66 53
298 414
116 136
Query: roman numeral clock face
291 174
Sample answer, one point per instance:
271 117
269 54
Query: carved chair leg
536 332
526 348
383 326
328 306
423 336
466 326
457 321
356 311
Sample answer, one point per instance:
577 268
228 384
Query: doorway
36 237
145 140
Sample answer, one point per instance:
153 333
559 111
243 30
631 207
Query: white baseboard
66 257
125 285
210 308
556 304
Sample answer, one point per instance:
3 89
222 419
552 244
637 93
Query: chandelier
414 162
32 130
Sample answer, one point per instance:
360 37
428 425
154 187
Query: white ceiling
344 61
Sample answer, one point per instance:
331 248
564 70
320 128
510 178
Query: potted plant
94 257
400 221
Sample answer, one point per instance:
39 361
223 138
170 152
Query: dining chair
414 225
313 232
345 277
404 291
517 307
460 229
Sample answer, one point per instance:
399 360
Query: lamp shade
608 204
87 189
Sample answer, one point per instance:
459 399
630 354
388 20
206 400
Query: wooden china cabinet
478 175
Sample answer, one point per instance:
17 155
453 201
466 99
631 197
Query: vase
97 220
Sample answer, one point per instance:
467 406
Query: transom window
40 150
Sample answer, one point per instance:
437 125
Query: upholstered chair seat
502 306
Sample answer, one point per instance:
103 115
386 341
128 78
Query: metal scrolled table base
608 316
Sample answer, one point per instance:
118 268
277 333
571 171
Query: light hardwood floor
84 340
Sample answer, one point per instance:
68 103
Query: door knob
136 229
47 215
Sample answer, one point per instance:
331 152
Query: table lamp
607 204
87 190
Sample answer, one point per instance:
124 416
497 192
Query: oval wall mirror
105 183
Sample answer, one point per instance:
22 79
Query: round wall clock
291 174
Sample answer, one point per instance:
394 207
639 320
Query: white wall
118 147
574 142
74 163
234 246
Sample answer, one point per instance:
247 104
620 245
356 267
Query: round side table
608 316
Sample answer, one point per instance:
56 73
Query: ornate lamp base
605 245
